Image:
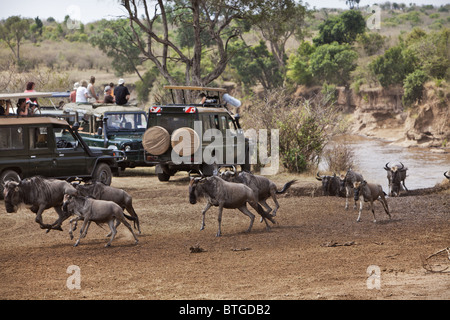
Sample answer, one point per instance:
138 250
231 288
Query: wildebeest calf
370 192
99 191
99 211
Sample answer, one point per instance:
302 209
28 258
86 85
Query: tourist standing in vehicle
4 107
121 93
31 101
22 108
108 97
73 94
82 93
92 96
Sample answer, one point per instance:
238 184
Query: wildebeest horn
201 173
318 177
403 166
386 167
445 174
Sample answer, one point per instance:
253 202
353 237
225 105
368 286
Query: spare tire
156 140
185 141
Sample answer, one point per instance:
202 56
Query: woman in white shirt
82 92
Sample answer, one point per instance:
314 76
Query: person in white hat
121 93
73 94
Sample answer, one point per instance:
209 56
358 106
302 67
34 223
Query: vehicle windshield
127 122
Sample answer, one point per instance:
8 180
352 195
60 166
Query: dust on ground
316 250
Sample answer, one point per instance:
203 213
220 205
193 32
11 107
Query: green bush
413 87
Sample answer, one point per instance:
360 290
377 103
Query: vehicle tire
8 175
103 174
185 147
163 177
156 140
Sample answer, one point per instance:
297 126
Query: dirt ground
316 250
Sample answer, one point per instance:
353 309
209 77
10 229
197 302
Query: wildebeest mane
34 189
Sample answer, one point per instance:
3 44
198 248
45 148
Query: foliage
143 86
305 126
116 39
256 64
372 42
413 87
329 62
393 67
12 32
342 29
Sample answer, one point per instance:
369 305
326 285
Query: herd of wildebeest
96 202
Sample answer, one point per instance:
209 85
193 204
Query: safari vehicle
114 127
195 137
49 147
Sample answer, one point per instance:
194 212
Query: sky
92 10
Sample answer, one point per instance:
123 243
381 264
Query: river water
425 168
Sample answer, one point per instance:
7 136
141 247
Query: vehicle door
42 150
14 150
71 158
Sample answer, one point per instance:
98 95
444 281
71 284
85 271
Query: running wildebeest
331 185
370 192
99 211
38 194
348 184
261 186
228 195
100 191
396 176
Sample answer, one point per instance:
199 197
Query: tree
342 29
256 64
12 32
117 40
393 67
331 63
157 43
413 87
278 21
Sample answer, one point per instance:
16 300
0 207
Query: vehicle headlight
127 148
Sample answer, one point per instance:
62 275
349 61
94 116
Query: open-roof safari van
196 136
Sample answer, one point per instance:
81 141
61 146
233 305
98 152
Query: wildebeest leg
72 229
245 211
360 210
373 211
403 182
126 224
219 219
62 216
130 209
265 205
83 231
208 205
112 233
277 205
383 201
347 195
39 218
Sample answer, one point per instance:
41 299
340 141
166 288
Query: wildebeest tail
130 217
264 214
286 186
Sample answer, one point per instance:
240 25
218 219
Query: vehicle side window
38 138
206 123
223 123
11 138
64 139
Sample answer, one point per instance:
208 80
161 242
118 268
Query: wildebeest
370 192
331 185
38 194
447 176
99 211
100 191
395 176
261 186
224 194
348 184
